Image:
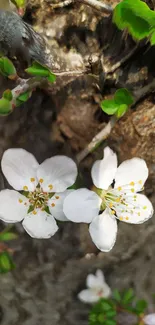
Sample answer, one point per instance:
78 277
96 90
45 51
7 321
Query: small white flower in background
149 319
118 202
45 187
97 288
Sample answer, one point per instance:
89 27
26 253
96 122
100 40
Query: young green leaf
23 98
121 110
7 68
6 262
6 236
40 70
136 17
123 96
127 297
7 94
5 106
109 106
140 307
117 295
51 78
19 3
119 104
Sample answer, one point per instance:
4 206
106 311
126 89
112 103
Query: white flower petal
141 212
82 205
88 296
133 171
106 291
40 225
19 168
57 173
149 319
12 207
100 276
103 231
56 205
93 282
103 171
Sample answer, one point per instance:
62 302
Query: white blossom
149 319
116 197
96 288
43 189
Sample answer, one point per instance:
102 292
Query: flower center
38 198
111 198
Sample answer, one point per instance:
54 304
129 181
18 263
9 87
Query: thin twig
142 92
118 64
101 136
100 6
31 83
61 4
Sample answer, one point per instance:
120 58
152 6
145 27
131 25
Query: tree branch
95 4
101 136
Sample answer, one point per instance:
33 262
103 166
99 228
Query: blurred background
42 289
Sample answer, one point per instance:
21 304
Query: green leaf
136 17
122 110
51 78
23 98
102 311
6 262
109 106
111 313
5 106
123 96
119 104
7 94
19 3
117 295
40 70
7 68
110 322
140 307
5 236
127 297
106 305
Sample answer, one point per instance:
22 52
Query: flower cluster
41 195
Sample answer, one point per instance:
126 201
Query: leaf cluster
119 104
104 312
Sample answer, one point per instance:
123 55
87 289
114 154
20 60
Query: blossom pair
41 195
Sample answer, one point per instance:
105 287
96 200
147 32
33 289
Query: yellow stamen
118 199
119 188
145 207
32 179
121 218
140 182
25 188
113 212
41 180
132 190
52 205
132 184
139 214
57 197
34 212
127 218
110 204
20 201
50 186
